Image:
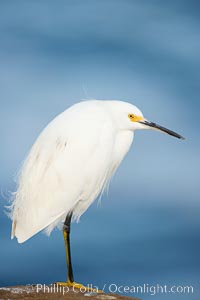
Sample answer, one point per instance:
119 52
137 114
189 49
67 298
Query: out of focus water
52 54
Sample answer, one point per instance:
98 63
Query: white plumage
71 162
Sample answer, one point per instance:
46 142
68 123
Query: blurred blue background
147 52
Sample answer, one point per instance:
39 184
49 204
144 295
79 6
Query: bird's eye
131 116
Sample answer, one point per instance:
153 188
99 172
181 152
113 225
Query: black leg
70 280
66 234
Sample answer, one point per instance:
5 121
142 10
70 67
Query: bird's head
131 118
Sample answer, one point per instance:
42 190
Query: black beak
161 128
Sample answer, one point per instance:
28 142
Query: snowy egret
70 164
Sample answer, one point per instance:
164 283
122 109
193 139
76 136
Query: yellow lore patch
135 118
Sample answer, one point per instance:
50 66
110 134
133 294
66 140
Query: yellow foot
82 288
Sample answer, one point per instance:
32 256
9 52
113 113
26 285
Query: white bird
71 163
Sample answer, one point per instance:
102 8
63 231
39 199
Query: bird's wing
53 176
